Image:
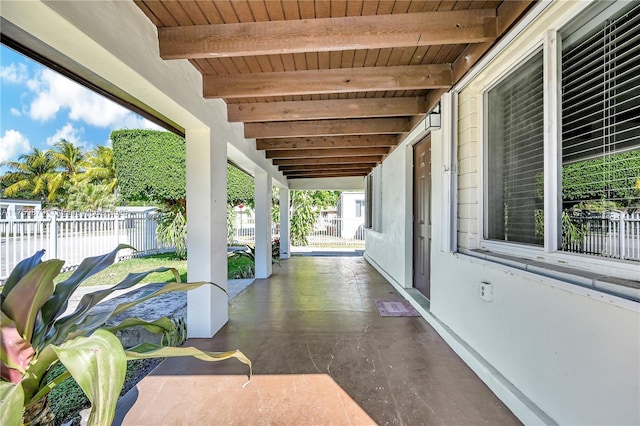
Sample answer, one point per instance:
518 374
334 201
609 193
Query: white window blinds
601 114
515 155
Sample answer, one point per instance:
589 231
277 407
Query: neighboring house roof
19 202
136 209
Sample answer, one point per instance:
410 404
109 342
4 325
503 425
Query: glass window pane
601 137
515 156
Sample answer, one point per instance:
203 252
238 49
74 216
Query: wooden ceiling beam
328 167
305 167
340 80
335 152
508 12
362 126
327 160
329 173
327 142
326 109
327 34
332 175
360 170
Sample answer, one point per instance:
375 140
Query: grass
118 271
238 267
67 399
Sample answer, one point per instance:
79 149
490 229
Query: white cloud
34 84
13 73
69 133
12 144
55 93
16 112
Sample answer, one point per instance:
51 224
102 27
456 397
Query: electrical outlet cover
486 292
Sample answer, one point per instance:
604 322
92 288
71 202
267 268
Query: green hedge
614 177
150 165
240 187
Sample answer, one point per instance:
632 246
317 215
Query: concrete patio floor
322 354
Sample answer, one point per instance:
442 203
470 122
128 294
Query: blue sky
38 107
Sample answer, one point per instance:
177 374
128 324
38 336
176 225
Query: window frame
376 195
550 253
360 207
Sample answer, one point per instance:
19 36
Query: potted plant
36 337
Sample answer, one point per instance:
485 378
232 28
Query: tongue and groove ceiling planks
329 88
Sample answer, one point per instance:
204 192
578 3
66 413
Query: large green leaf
57 304
93 321
69 324
24 301
98 364
11 400
166 288
20 270
37 370
150 350
156 327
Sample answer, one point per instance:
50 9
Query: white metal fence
72 236
327 232
615 235
337 232
244 229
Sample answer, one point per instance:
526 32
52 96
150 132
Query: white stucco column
263 224
285 245
207 306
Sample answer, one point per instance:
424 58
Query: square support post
285 225
263 225
207 306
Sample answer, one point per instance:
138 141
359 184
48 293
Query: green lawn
238 268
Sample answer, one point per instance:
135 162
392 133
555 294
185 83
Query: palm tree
31 173
101 168
70 160
90 196
303 216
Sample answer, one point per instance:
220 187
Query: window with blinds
515 155
601 118
368 199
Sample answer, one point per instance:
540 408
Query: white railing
331 233
72 236
337 232
244 230
615 235
631 231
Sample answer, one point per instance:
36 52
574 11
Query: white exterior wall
391 248
553 351
12 207
350 223
468 171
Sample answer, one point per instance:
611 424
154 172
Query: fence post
116 231
622 235
146 245
53 236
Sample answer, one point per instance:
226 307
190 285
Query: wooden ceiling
329 88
